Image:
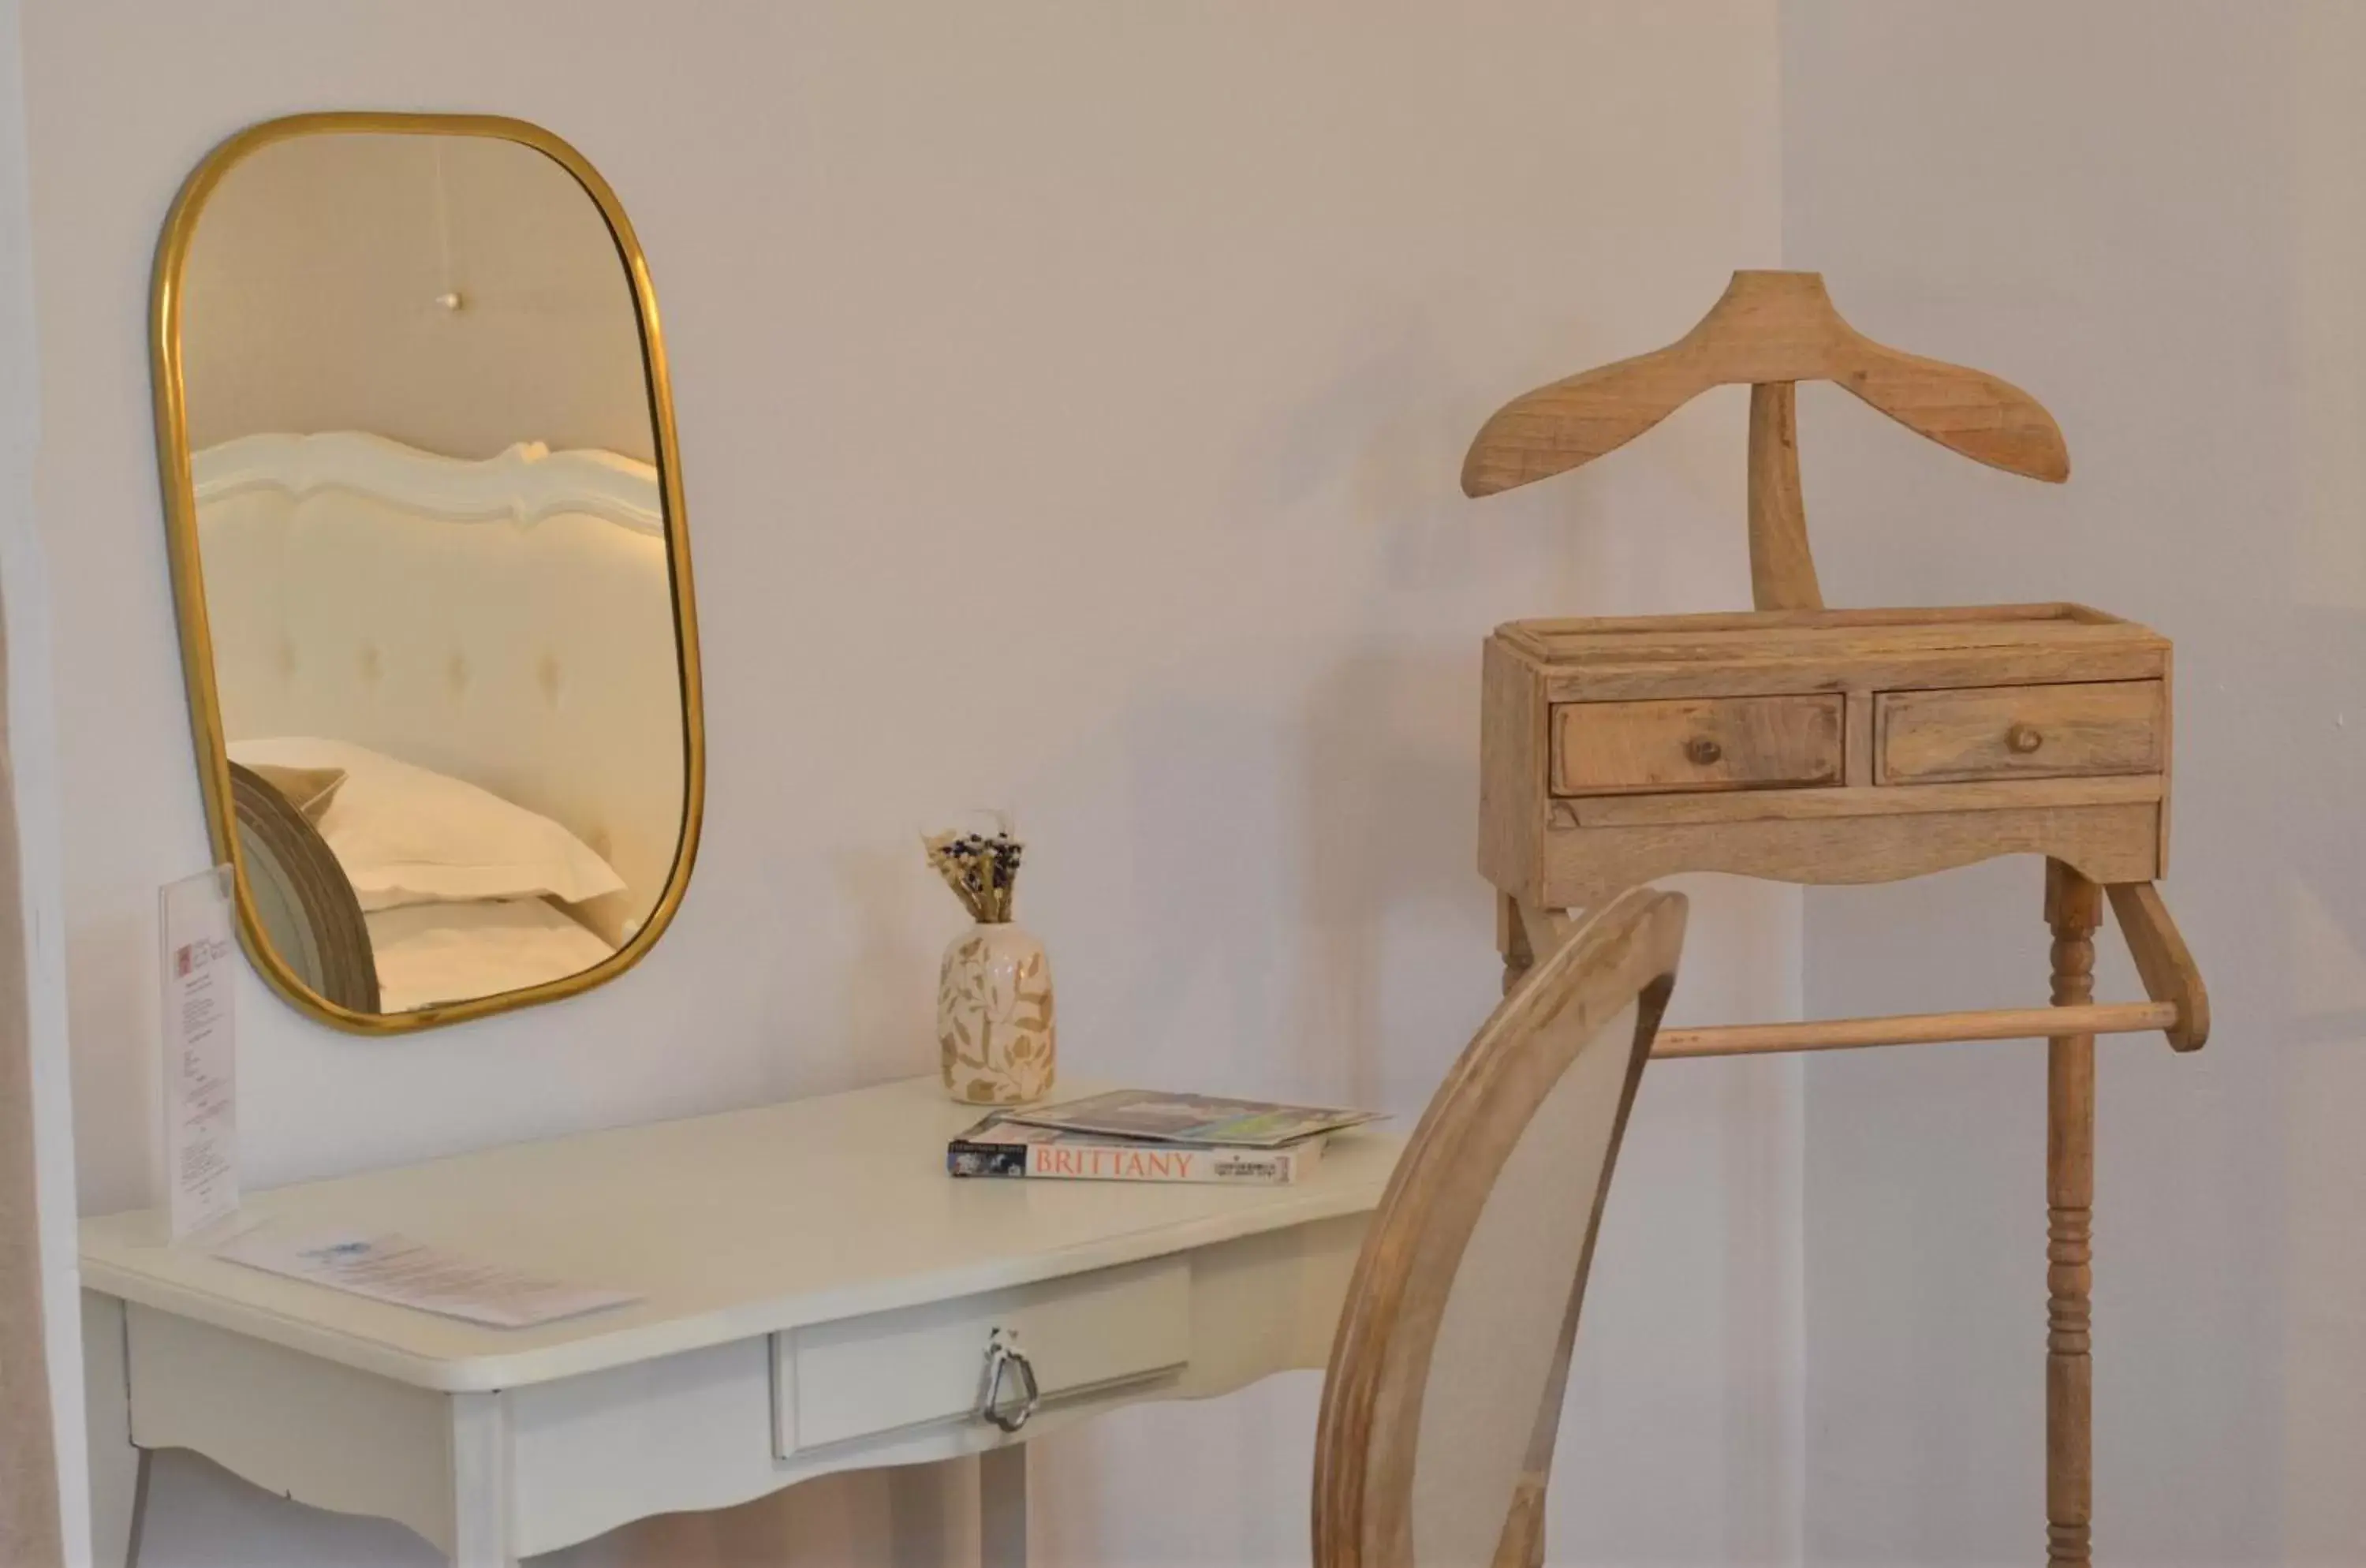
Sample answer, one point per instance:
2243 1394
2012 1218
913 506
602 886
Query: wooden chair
304 904
1444 1393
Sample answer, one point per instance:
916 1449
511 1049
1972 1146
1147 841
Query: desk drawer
834 1382
1656 748
2019 732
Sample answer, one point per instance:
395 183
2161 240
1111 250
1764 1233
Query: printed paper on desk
388 1266
200 1051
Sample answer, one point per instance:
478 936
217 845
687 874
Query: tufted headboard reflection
508 621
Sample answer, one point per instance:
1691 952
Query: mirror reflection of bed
445 608
461 675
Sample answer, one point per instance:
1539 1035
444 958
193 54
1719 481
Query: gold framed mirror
430 562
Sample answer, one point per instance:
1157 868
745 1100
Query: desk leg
480 1482
2073 907
119 1472
138 1531
1002 1507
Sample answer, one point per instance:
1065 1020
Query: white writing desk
819 1297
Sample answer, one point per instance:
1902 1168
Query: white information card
200 1052
387 1266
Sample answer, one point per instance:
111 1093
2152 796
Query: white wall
33 775
1109 366
2153 216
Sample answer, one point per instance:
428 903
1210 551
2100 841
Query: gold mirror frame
188 576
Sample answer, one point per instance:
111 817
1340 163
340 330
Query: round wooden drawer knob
2022 738
1702 751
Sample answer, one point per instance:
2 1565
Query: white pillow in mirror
409 835
428 953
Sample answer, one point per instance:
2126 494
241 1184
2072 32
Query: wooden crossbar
1917 1029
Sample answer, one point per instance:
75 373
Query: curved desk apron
817 1296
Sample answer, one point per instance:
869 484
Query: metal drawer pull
2023 739
1005 1360
1702 751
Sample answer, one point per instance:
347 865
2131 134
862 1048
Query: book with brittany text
1000 1146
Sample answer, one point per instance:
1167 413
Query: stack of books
1137 1134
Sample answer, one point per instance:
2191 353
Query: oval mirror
429 561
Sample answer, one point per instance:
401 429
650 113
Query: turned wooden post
1511 941
2073 907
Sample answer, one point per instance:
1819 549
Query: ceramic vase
994 1017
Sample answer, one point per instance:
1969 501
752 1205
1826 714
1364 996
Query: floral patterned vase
994 1017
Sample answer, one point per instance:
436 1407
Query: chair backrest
1445 1388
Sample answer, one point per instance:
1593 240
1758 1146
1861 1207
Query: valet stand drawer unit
1809 745
1820 746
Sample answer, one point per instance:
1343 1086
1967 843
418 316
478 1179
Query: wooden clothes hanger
1769 330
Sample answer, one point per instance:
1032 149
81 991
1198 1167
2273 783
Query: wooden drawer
1707 743
2019 732
834 1382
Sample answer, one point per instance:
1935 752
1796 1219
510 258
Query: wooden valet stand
1820 746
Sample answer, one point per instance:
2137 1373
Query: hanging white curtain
29 1469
